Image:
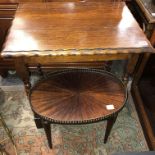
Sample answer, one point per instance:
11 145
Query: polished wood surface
19 1
74 28
78 96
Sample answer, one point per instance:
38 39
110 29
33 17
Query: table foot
110 123
47 128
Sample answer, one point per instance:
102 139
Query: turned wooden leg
38 121
110 123
131 66
23 72
47 128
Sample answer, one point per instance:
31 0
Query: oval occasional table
77 96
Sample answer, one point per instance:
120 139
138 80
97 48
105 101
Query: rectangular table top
74 28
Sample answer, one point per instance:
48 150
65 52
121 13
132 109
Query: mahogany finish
77 96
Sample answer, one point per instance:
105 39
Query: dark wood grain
77 96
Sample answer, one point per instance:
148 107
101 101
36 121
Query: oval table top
78 96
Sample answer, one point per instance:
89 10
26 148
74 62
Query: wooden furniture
69 33
73 32
70 97
7 12
143 84
144 13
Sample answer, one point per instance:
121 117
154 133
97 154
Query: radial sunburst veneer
77 96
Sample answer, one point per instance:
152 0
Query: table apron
75 58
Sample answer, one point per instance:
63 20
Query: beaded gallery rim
77 96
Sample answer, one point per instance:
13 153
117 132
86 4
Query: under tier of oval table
78 96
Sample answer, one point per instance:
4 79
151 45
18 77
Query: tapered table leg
47 128
110 123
